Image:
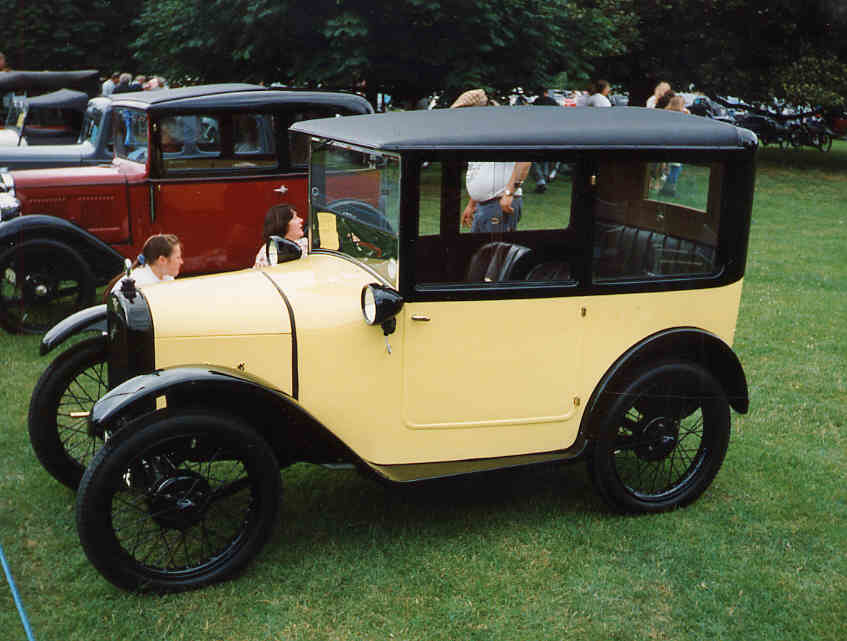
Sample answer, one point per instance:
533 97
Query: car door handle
421 317
282 189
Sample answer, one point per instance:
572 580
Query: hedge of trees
754 49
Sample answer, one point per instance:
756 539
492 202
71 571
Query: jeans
489 217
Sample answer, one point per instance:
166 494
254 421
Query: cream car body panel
195 321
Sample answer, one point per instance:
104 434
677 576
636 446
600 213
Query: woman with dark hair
283 221
600 95
159 260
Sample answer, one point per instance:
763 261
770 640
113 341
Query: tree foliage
68 34
412 49
757 50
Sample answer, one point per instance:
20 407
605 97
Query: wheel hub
659 438
179 501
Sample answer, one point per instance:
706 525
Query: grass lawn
533 554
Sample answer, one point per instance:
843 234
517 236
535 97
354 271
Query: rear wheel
178 501
665 439
42 282
59 409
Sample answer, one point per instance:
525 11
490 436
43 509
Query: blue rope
16 596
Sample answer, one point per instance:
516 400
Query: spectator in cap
494 188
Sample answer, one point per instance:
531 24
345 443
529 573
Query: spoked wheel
42 282
664 441
59 409
178 501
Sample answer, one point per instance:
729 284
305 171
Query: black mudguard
90 319
104 261
688 343
287 426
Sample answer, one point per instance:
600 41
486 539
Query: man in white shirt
495 195
109 86
494 188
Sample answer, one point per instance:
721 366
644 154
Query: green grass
532 554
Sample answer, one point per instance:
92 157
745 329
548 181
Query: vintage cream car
413 348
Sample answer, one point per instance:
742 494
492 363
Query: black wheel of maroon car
42 282
664 440
176 501
59 408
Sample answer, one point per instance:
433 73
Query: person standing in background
600 95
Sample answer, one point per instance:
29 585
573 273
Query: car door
493 339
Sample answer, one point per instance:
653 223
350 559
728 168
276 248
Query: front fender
141 392
90 319
105 262
293 433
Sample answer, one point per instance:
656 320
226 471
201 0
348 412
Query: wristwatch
507 192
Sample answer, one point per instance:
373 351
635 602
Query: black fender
90 319
294 434
686 343
104 261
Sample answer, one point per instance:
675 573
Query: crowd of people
124 82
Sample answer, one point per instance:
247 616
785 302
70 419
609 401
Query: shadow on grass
325 510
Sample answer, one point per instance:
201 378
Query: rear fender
294 434
685 343
90 319
104 261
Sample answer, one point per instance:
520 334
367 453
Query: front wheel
177 501
664 440
42 282
59 409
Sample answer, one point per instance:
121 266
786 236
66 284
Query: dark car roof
517 128
63 98
235 96
11 80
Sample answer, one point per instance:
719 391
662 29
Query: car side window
656 219
214 144
483 243
130 134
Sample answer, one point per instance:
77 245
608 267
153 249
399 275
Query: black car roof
11 80
63 98
531 127
235 96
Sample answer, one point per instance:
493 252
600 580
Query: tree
761 50
415 48
68 34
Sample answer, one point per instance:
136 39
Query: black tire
59 407
664 439
825 141
42 282
178 501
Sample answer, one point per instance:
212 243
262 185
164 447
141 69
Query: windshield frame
382 179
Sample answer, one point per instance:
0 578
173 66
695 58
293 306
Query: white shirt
598 100
142 276
108 87
487 180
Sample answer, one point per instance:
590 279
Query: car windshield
16 108
130 134
91 125
355 204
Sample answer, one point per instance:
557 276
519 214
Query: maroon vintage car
204 163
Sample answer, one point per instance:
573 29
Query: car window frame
738 174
